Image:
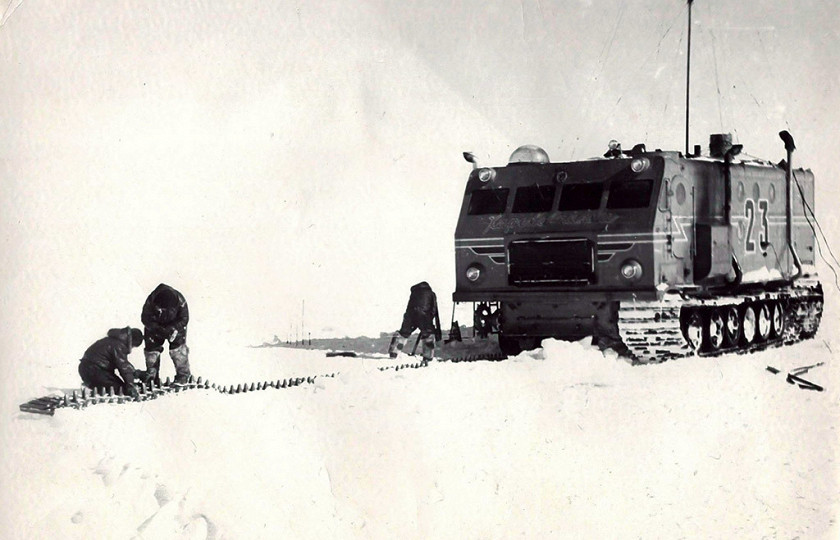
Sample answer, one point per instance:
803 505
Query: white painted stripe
495 239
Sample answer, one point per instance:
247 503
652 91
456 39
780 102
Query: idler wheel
748 325
763 322
804 315
716 332
732 325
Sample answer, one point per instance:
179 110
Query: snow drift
559 442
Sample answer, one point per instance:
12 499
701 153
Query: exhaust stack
787 138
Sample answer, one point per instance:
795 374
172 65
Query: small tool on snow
794 378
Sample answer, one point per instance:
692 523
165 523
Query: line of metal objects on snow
85 397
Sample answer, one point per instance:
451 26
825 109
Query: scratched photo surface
293 168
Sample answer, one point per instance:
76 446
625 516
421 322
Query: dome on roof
528 153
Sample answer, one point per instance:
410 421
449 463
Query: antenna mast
687 75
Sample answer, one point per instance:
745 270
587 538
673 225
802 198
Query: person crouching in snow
109 355
165 316
422 313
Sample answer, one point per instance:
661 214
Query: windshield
581 196
488 201
630 194
533 199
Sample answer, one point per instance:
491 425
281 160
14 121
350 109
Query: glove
131 390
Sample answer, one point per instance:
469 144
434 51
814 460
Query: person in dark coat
165 316
422 313
109 355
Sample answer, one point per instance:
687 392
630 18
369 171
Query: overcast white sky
261 154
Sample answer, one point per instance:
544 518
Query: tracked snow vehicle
656 254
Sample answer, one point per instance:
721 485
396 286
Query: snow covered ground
561 442
263 155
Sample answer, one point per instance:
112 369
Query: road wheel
763 325
748 325
715 330
732 325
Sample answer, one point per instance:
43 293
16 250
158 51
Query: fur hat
136 337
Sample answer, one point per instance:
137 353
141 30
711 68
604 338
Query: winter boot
397 344
428 348
153 367
180 357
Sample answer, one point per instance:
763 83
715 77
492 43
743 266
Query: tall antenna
687 75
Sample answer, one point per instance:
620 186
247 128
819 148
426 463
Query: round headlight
639 164
631 270
473 273
485 175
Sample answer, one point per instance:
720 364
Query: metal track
85 397
80 399
652 331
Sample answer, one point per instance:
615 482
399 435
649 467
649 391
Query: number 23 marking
749 211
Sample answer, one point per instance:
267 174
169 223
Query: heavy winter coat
111 353
160 318
421 312
422 301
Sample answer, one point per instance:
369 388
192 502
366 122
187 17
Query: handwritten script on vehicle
545 220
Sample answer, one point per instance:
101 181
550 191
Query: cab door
712 250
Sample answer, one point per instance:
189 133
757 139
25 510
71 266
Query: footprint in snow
162 495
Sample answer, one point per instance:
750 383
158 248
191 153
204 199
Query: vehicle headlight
631 270
473 273
486 174
639 164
